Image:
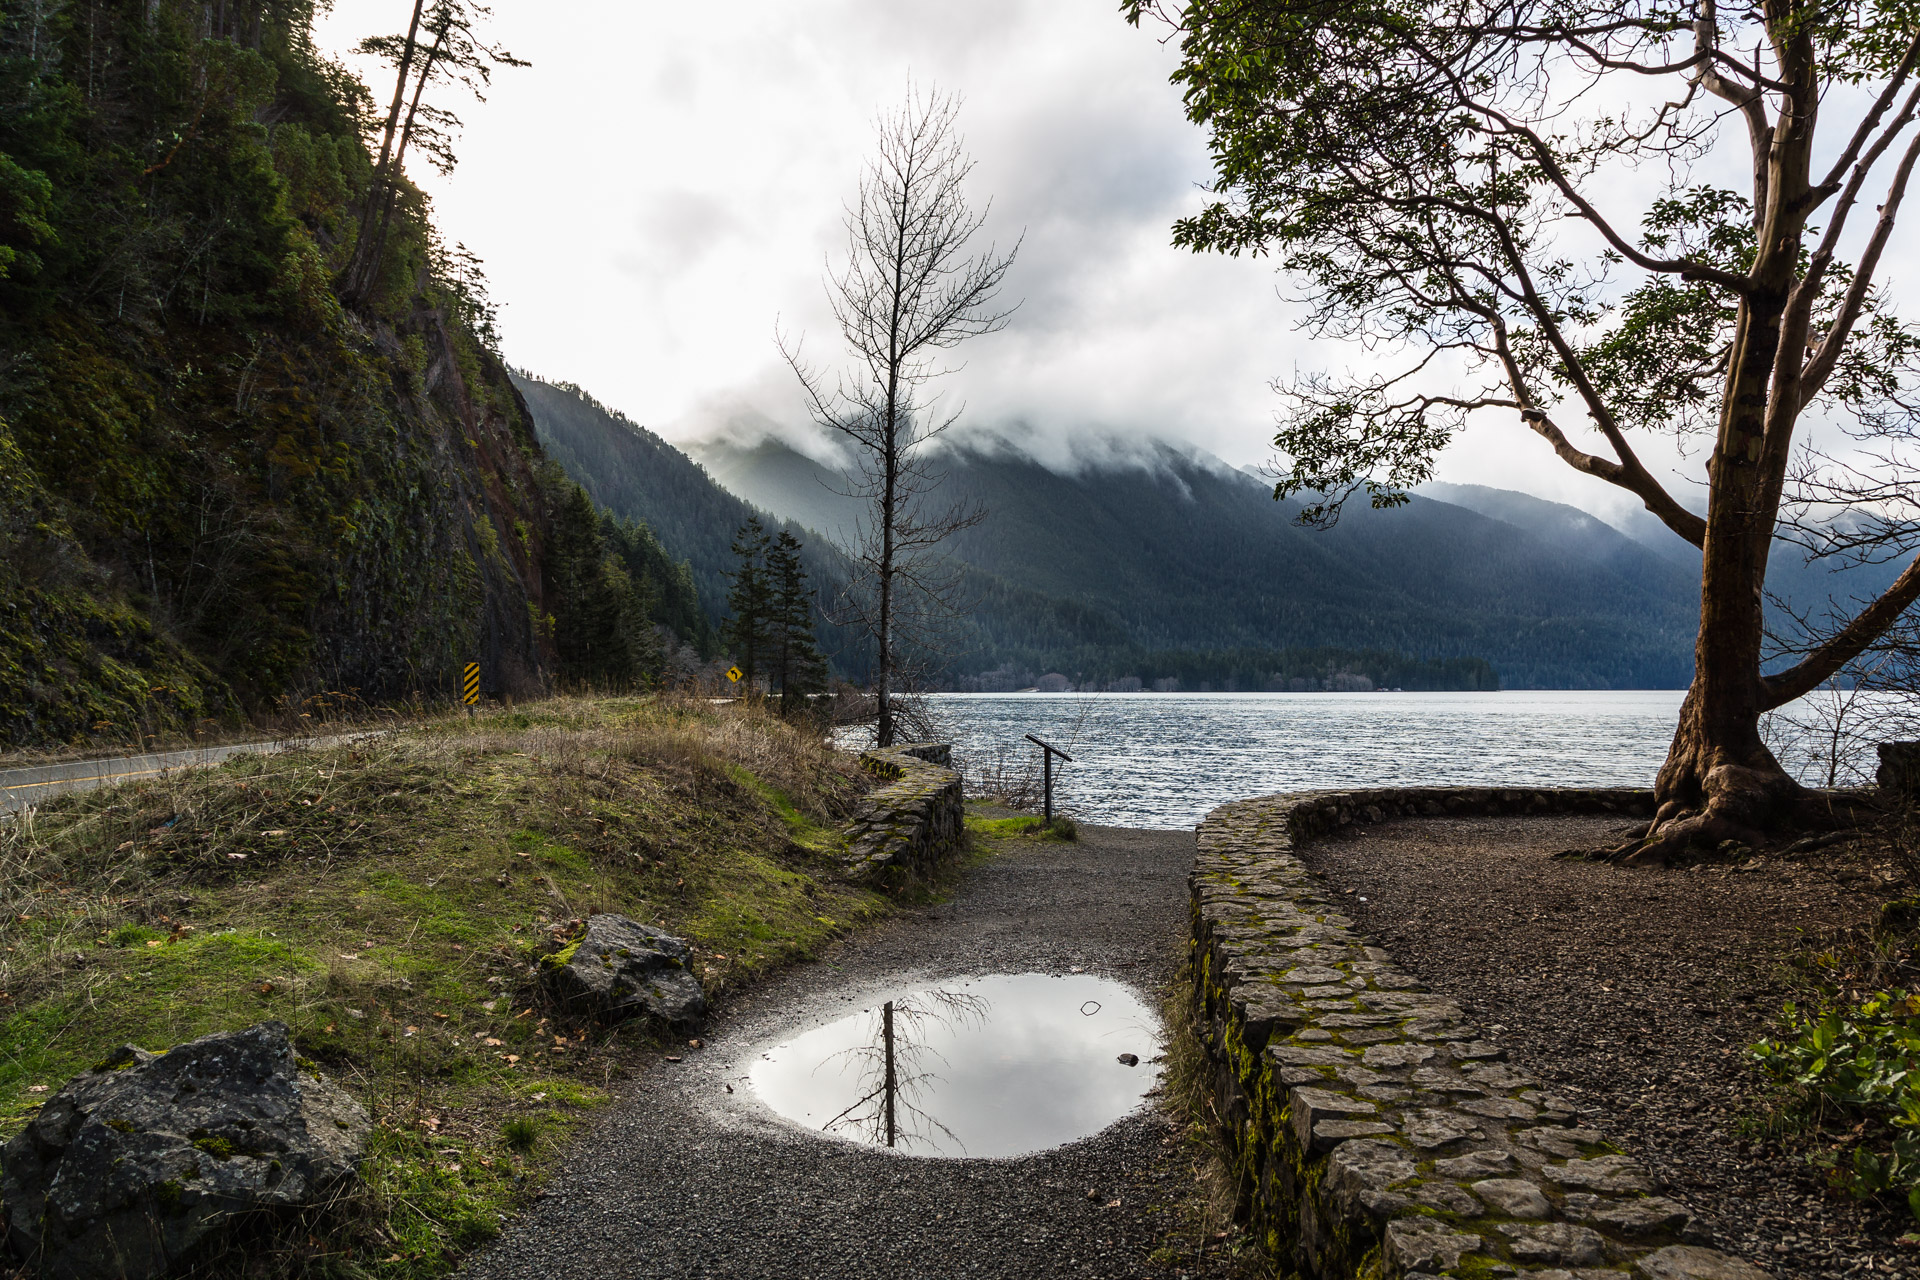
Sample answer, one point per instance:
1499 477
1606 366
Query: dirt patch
1636 992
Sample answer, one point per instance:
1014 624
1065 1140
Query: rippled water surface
990 1066
1163 760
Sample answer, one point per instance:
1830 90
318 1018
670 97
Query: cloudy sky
663 186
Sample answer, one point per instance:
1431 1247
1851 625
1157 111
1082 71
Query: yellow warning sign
470 687
734 674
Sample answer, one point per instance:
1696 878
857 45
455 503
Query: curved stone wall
1377 1132
913 823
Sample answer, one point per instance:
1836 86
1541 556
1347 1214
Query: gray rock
1514 1197
1560 1242
1431 1129
1649 1215
1396 1055
1603 1173
1329 1134
134 1163
621 967
1310 1106
1688 1262
1308 1056
1475 1164
1445 1195
1419 1243
1359 1170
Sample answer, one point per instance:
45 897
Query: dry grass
1209 1214
388 900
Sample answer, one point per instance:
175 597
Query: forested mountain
640 478
227 479
1182 553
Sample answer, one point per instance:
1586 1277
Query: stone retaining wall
1378 1133
914 823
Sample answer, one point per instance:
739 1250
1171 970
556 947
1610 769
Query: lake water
1163 760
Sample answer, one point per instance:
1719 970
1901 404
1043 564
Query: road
36 784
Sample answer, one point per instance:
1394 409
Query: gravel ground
681 1178
1635 990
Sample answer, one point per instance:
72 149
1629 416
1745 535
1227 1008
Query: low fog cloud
663 185
667 183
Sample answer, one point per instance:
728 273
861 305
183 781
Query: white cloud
668 180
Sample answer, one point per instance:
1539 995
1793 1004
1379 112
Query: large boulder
621 967
135 1162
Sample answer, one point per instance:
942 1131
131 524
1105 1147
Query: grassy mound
390 900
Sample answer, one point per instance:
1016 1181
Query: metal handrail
1047 752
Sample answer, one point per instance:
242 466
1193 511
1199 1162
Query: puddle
990 1066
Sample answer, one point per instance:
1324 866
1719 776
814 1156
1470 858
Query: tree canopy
1525 208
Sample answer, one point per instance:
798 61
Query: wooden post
1047 752
1046 773
886 1034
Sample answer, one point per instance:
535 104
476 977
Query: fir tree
747 631
795 653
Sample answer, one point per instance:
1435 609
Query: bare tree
908 292
1448 178
441 44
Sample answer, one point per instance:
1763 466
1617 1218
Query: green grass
1025 825
390 901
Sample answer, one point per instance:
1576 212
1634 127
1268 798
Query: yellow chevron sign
470 688
734 674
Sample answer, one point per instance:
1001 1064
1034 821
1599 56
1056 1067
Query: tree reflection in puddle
990 1066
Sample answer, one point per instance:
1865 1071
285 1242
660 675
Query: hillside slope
1183 552
219 487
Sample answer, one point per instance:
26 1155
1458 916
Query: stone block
1689 1262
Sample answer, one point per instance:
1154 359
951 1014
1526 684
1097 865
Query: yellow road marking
100 777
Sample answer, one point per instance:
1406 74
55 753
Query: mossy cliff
219 485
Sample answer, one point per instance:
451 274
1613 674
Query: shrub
1853 1066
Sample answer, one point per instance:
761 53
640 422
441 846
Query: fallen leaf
512 1058
36 1088
154 942
265 988
238 857
493 1043
349 955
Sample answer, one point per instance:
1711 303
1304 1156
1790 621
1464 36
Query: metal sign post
1047 752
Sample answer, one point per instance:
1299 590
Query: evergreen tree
601 611
795 653
747 631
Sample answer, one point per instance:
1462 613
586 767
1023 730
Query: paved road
683 1179
37 783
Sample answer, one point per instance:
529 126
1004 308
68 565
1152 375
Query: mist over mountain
1181 551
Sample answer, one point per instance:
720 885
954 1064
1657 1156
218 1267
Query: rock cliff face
220 486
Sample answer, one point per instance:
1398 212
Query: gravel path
1633 990
681 1178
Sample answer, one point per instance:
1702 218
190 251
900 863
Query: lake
1163 760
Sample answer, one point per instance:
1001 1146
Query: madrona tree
1609 220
